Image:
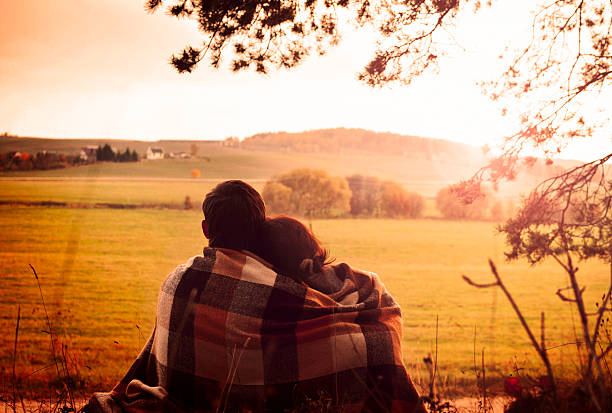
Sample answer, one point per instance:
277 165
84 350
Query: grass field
126 191
91 191
100 271
423 176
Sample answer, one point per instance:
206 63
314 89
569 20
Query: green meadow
100 271
419 175
132 191
91 191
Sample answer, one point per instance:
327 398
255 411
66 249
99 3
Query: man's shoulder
218 260
225 266
203 263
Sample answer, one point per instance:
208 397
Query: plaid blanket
234 335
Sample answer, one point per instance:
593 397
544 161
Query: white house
154 153
181 155
87 152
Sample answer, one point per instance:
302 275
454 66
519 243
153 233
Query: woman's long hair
291 248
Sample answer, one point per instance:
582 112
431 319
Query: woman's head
291 247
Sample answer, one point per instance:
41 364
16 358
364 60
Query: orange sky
90 68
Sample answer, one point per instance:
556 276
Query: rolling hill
423 164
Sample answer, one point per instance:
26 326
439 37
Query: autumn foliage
314 193
308 192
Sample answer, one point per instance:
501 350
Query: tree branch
540 349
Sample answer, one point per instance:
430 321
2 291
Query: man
232 334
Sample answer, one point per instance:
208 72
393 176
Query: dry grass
101 270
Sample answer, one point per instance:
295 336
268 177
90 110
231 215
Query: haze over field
422 165
65 73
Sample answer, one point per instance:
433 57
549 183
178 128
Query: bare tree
569 218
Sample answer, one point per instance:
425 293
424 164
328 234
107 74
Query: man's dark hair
234 213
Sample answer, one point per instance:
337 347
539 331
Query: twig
602 308
15 359
477 285
48 321
564 298
540 350
564 344
67 382
139 336
542 337
436 358
22 404
227 380
607 350
476 371
604 357
233 376
39 370
484 384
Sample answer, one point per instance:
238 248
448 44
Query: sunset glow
89 69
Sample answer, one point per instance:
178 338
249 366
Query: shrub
312 193
451 205
277 197
373 197
366 193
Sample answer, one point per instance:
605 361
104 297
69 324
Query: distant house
182 155
88 152
154 153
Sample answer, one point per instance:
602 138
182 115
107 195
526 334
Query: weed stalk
15 360
42 298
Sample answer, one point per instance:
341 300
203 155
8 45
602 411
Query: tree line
106 153
24 161
338 139
313 193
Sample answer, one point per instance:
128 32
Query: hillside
323 141
423 165
73 146
342 140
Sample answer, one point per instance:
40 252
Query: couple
260 322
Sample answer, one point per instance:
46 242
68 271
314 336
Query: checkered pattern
234 335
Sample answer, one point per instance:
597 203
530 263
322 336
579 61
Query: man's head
233 214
